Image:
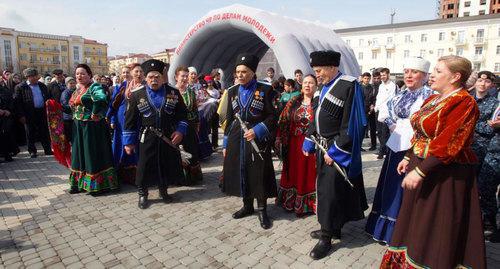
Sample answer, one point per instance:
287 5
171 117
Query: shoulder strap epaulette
347 78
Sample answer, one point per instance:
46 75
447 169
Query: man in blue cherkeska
338 126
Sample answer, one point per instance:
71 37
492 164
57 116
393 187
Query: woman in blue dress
389 193
125 164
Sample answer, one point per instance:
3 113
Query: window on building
348 42
374 55
423 38
440 52
8 54
497 67
76 53
478 51
498 49
451 6
460 51
407 38
23 57
482 12
480 35
422 53
441 36
482 2
375 41
467 4
477 67
388 54
55 59
361 42
406 54
360 56
466 14
64 48
449 16
389 40
32 58
461 36
64 59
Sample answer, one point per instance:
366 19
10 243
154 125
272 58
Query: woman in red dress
297 189
439 223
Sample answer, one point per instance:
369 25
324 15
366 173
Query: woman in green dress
91 157
192 171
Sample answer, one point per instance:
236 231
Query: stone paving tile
41 226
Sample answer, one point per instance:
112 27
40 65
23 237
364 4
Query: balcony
45 50
390 46
478 58
479 40
460 42
95 53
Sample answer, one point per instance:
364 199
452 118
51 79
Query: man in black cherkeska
156 115
248 169
338 126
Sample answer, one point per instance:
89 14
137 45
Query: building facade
465 8
45 52
164 56
475 38
117 62
448 9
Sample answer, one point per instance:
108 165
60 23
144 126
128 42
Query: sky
151 26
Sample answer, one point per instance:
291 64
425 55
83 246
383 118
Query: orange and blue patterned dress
439 223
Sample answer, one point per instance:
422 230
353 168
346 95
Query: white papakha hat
417 63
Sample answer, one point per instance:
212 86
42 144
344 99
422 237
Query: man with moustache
338 127
248 171
155 113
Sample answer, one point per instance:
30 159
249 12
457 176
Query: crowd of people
437 130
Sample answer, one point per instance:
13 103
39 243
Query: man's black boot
246 210
164 195
265 223
322 248
317 234
143 198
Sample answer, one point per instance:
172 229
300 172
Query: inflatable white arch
218 37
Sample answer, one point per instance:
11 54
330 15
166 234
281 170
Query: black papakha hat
152 65
488 74
249 60
324 58
57 72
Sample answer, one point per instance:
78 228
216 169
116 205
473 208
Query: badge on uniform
235 104
171 102
144 107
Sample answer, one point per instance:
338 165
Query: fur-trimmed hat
324 58
249 60
152 65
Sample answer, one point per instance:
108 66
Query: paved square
43 226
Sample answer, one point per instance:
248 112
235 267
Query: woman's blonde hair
457 64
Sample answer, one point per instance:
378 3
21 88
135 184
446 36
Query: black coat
159 163
245 174
23 99
55 91
338 203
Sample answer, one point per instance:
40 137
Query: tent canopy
218 37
